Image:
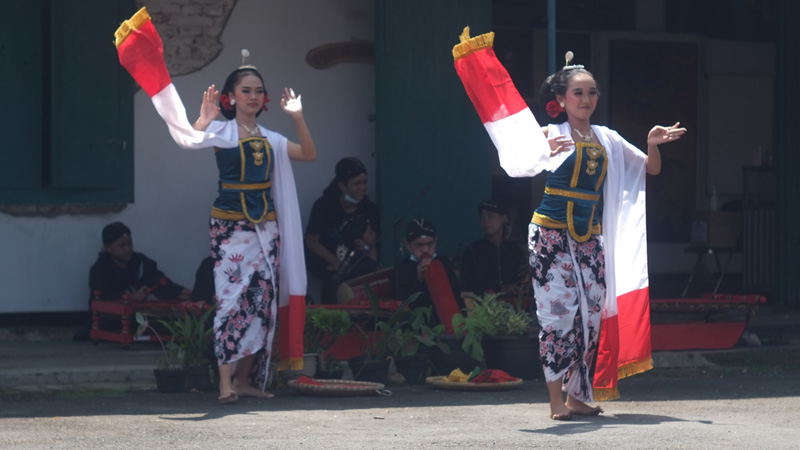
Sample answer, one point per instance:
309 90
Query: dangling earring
233 101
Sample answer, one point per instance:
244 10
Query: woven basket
440 383
338 388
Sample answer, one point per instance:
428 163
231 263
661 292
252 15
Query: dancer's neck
577 124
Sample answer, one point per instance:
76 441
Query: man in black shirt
119 270
344 198
493 264
408 277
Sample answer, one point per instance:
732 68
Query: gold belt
246 186
572 194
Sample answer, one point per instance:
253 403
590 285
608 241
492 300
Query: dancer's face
580 99
249 95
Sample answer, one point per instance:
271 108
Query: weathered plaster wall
47 259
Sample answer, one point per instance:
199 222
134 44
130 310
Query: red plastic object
441 294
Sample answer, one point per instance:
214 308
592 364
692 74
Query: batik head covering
418 228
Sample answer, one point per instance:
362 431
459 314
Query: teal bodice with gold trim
244 181
572 192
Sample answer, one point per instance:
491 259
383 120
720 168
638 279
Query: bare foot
245 390
560 412
227 398
577 407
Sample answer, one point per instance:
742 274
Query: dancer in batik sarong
566 245
245 237
256 234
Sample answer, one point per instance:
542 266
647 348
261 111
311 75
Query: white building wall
46 261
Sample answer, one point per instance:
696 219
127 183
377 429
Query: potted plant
373 364
193 332
409 344
502 333
323 327
169 372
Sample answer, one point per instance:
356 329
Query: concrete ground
697 408
55 393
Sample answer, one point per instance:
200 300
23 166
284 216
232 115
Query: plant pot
443 363
374 371
170 381
517 355
199 378
414 370
310 364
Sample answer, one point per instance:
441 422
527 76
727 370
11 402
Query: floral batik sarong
569 287
246 282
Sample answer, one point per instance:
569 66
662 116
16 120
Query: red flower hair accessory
266 100
225 102
554 108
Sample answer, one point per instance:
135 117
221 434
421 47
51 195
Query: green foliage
471 329
323 326
491 316
414 332
190 344
193 333
377 350
172 359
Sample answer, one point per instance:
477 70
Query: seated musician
493 263
119 271
408 276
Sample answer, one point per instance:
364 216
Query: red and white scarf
524 152
141 52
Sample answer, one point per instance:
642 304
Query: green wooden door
431 145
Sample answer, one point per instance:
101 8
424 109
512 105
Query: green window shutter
91 101
420 148
21 47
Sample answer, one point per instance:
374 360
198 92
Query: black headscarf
494 205
348 168
114 231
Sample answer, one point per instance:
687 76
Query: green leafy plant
491 316
377 349
416 332
172 359
323 327
193 332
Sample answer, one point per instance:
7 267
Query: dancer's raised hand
291 103
209 109
661 135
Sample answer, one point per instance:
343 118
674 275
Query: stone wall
190 30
